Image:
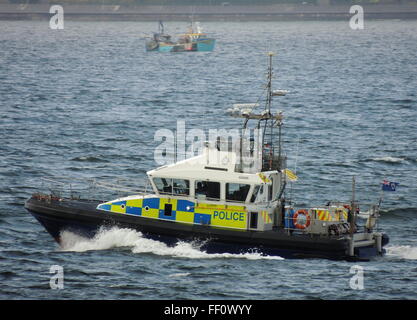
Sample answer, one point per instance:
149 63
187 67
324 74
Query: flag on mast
290 175
389 186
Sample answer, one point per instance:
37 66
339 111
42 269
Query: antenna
161 27
268 135
268 159
353 207
269 84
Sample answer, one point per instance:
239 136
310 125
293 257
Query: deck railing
90 188
330 220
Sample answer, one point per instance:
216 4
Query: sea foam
389 159
403 252
116 237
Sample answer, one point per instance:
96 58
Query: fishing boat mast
161 27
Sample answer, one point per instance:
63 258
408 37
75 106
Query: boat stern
363 246
206 45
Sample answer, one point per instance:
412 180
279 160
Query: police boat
231 198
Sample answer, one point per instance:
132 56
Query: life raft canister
301 219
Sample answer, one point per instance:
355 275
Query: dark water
86 102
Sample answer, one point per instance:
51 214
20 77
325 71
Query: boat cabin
203 178
202 190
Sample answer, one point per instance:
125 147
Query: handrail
62 184
331 220
329 204
325 227
124 189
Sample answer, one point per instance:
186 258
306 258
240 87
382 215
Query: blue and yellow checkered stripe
181 211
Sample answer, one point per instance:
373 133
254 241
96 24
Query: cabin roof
211 165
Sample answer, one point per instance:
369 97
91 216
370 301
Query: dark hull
82 217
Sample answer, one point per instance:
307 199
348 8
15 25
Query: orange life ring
295 219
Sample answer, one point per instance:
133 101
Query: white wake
390 159
403 252
122 237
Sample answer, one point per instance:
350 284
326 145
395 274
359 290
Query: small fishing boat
193 40
230 198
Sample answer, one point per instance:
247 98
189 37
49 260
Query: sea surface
87 101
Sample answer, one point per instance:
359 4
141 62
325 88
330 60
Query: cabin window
269 192
181 187
163 185
208 189
237 191
255 193
262 193
172 186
